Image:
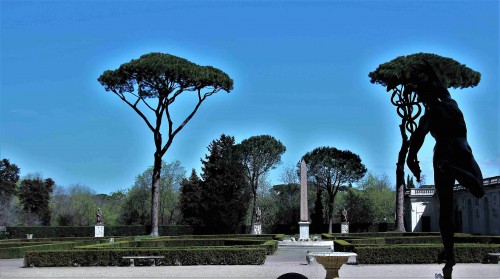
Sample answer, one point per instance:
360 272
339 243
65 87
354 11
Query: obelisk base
304 231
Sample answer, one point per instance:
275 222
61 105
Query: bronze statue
453 159
98 216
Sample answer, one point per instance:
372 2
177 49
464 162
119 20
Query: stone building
475 216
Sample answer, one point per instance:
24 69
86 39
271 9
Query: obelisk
304 211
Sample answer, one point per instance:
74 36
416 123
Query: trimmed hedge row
396 240
195 256
333 236
19 252
415 250
270 245
22 243
21 248
89 231
406 254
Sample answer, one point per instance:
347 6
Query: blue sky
300 71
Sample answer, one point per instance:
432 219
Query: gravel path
285 260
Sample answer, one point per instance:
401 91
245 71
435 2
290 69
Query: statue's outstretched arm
416 141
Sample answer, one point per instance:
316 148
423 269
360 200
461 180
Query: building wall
472 215
478 216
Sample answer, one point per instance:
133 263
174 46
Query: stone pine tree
329 169
401 76
260 154
224 192
150 85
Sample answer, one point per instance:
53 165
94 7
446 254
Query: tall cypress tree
190 200
317 219
225 191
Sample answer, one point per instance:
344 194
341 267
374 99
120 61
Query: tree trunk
254 211
330 212
155 194
400 179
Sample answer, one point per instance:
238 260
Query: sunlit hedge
113 257
412 248
420 254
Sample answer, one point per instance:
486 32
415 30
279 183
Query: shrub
420 254
3 232
342 246
279 237
194 256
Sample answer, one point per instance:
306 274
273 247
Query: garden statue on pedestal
99 226
257 227
344 225
98 217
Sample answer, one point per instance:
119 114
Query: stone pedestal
257 229
99 231
344 227
304 230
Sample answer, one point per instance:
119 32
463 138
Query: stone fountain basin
332 261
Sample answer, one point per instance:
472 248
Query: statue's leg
465 169
444 186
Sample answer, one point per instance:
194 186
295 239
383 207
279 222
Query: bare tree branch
121 96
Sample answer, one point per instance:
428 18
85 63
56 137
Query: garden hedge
413 248
270 245
112 257
420 254
19 252
89 231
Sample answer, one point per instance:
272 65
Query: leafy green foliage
136 209
411 70
287 200
82 207
380 198
34 195
357 206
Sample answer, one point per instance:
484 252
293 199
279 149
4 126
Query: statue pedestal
304 230
257 229
99 231
344 227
